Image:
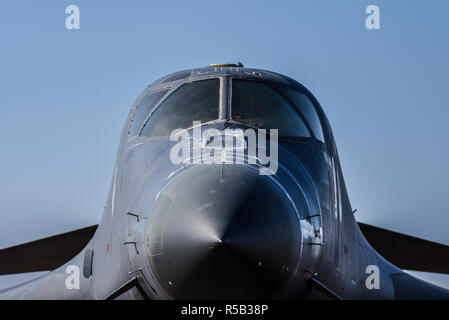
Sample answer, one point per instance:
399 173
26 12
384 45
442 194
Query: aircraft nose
223 232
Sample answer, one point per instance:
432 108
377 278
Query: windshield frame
225 105
278 89
174 88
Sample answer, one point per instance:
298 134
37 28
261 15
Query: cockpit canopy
260 104
195 101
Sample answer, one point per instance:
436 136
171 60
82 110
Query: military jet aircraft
227 185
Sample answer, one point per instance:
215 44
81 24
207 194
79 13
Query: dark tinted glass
261 106
307 109
196 101
143 109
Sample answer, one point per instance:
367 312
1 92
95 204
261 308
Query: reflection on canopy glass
259 105
307 109
143 109
195 101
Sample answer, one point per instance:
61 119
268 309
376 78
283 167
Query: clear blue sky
64 96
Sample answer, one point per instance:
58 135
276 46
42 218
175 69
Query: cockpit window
259 105
143 108
308 110
195 101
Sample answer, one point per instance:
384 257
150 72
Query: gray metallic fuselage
217 231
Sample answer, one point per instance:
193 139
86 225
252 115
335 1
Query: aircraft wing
407 252
45 254
404 251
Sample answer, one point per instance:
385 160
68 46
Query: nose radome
223 232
